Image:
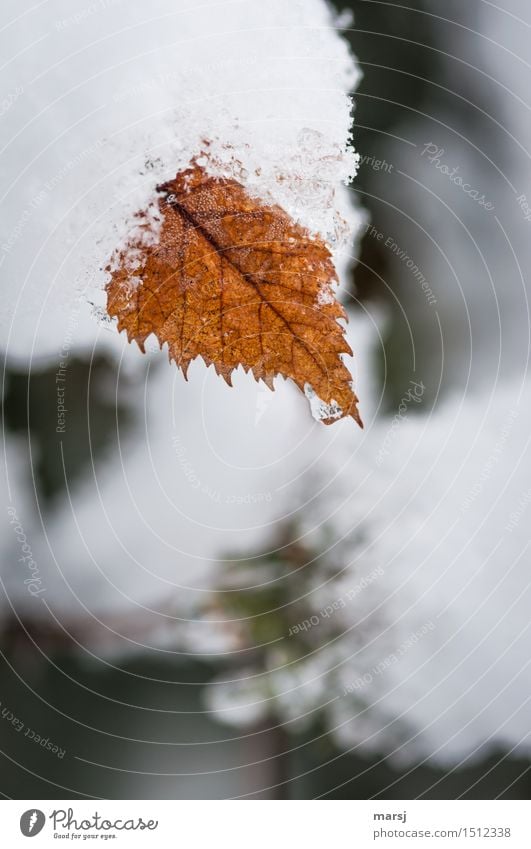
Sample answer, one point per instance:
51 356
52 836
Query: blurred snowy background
205 593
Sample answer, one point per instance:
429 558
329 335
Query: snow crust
102 101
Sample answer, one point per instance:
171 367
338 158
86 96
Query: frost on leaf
236 282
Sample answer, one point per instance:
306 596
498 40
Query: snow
453 563
432 499
115 98
430 657
102 102
203 478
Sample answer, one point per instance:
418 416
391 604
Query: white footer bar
266 824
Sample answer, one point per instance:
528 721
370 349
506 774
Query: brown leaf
236 282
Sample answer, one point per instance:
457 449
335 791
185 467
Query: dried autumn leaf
236 282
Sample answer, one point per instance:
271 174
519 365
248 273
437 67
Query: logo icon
32 822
